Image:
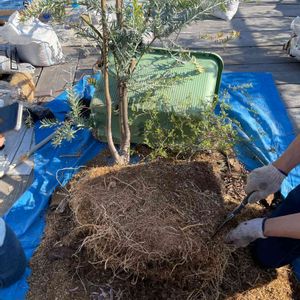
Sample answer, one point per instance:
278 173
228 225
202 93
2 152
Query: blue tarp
255 104
266 128
27 216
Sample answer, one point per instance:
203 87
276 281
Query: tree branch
108 101
125 146
119 5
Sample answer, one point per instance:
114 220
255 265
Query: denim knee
275 252
294 195
290 205
265 254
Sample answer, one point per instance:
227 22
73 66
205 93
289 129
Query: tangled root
141 221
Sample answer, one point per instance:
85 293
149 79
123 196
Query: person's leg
275 252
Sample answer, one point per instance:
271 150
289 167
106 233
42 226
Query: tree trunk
118 159
121 119
119 5
125 138
123 100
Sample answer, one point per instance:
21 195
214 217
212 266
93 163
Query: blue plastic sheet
266 128
27 216
255 104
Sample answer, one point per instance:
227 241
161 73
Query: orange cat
25 84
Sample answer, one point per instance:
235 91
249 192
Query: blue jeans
275 252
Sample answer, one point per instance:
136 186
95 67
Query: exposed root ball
150 225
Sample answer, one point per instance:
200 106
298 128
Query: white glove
264 181
246 233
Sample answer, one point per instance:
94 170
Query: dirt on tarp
144 232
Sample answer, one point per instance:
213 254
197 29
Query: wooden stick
6 12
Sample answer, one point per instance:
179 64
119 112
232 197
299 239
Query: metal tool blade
234 213
228 218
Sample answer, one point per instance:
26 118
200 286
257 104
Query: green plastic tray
190 86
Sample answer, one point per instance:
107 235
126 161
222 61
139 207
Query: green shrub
187 134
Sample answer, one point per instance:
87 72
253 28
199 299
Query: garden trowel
234 213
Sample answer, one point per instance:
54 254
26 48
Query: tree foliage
124 32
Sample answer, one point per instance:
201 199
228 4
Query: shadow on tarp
266 128
27 215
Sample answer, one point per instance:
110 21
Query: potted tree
124 34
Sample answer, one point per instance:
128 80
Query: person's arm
285 226
263 182
290 158
267 179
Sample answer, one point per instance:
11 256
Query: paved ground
264 27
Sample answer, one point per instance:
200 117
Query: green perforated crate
161 81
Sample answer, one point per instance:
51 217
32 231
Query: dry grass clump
153 225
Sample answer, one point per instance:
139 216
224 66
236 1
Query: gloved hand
246 233
264 181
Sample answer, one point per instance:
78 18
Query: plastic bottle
12 257
26 3
46 17
75 4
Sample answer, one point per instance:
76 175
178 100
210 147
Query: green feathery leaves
66 130
148 19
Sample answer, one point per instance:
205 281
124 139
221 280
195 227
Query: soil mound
154 221
138 212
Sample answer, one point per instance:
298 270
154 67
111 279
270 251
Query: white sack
294 50
292 47
295 26
230 11
36 42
